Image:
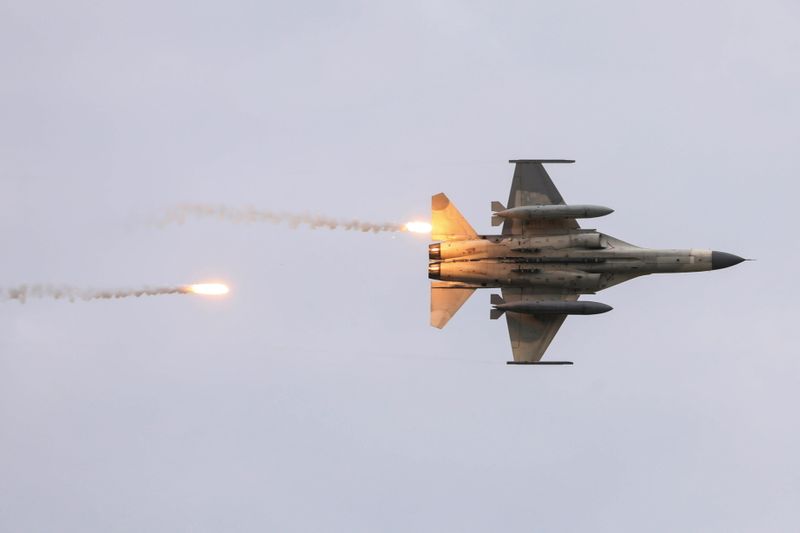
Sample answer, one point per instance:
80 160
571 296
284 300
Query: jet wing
531 334
533 186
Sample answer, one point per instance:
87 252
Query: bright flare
418 227
209 289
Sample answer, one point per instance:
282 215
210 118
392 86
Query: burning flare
208 289
24 292
418 227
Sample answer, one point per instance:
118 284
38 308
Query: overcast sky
317 397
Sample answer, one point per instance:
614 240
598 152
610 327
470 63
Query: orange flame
418 227
208 289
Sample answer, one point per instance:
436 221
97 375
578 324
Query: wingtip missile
550 363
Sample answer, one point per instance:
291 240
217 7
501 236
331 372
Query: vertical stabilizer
445 302
448 223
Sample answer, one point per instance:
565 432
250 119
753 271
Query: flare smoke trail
24 292
179 214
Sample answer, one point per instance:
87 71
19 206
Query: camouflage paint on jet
542 262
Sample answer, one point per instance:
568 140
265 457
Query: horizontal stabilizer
496 299
448 223
494 314
445 302
454 285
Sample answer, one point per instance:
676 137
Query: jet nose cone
724 260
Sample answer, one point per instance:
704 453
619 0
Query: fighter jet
542 262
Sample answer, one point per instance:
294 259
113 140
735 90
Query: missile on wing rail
531 212
539 363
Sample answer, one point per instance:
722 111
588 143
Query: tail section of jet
446 300
448 223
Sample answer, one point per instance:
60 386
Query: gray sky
316 397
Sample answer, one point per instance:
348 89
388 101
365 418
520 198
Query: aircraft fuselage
580 261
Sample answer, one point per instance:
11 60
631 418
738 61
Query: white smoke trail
22 293
250 215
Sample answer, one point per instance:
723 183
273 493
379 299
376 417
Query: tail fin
496 299
445 303
448 223
497 206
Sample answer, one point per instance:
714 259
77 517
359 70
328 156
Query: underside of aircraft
542 261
